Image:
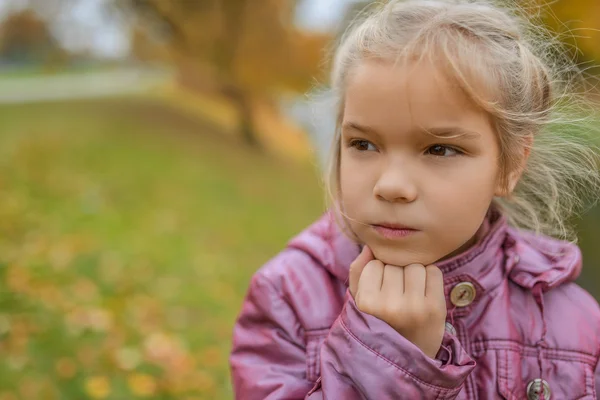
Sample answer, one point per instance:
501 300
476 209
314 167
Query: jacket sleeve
362 357
268 357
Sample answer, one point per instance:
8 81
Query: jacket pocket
567 379
314 340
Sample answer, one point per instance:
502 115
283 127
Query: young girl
435 273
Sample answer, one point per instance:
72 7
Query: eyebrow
453 132
361 128
440 132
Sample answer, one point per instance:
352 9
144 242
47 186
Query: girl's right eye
362 145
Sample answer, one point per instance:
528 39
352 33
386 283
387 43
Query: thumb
357 266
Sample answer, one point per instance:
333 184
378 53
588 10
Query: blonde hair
528 84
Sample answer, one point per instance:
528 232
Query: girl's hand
410 299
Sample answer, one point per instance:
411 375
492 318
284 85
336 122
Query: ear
516 173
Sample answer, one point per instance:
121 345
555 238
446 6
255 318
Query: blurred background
153 155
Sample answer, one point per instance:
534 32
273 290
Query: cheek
471 183
463 194
467 201
354 184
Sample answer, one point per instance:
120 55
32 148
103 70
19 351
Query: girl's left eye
439 150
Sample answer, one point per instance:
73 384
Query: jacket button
538 387
450 329
463 294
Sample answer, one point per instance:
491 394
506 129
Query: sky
87 27
320 15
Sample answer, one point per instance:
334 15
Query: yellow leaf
142 385
65 368
85 290
128 358
100 320
97 387
17 278
211 357
204 381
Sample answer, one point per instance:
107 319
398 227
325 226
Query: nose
395 185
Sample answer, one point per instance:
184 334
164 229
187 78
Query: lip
393 231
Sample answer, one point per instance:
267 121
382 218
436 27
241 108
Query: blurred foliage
25 38
239 49
125 248
577 22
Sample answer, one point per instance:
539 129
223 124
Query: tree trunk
243 105
233 12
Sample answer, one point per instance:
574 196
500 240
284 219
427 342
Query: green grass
128 235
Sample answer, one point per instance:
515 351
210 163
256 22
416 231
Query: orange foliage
257 48
578 23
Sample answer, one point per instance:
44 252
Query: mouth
393 231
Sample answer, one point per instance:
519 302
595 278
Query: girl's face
393 172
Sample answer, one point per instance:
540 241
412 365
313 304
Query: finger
414 280
434 287
356 268
393 281
371 278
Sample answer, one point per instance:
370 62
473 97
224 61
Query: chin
402 257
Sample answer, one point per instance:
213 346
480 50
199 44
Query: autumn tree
251 49
26 38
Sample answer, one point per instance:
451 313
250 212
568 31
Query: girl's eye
439 150
362 145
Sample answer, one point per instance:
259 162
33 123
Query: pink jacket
518 327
